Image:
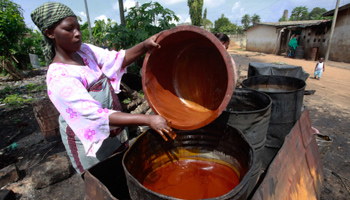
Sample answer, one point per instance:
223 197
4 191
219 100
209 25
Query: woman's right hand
159 124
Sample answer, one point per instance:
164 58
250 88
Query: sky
269 10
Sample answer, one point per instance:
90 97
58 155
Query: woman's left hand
150 43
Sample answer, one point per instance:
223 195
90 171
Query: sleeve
86 117
110 63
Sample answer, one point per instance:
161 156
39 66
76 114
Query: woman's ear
49 33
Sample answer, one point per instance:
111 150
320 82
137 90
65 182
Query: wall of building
239 40
262 39
313 40
340 46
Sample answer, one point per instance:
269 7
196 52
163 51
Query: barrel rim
279 92
253 111
245 180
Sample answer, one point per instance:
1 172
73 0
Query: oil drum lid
189 80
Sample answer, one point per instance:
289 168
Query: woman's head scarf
45 17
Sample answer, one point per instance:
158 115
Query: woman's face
225 44
66 35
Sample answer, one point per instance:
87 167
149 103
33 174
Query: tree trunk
47 117
15 74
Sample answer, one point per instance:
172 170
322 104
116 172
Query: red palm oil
192 179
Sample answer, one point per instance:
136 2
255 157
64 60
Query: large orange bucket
189 80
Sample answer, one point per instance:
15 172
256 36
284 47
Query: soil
329 110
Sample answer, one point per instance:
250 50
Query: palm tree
246 20
255 19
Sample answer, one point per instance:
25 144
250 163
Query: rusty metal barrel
215 141
189 80
287 94
249 111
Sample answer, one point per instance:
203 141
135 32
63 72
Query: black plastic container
287 94
249 111
214 141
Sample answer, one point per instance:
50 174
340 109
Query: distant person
225 41
293 44
319 69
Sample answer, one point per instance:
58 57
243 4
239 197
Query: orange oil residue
192 179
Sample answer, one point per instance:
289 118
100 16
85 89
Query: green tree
100 31
299 13
206 22
30 43
12 30
141 23
85 35
283 19
316 13
255 19
246 21
223 25
196 7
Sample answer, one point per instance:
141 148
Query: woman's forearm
126 119
133 53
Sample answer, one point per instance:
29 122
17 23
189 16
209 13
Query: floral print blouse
67 87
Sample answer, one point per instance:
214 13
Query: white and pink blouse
67 87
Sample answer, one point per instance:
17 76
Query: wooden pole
89 24
121 10
332 31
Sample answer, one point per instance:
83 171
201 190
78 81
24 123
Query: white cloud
82 14
101 17
213 3
188 20
236 6
127 4
171 2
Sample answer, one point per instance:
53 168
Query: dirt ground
329 110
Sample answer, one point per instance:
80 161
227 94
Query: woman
82 82
293 44
225 41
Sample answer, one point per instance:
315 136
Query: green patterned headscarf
45 17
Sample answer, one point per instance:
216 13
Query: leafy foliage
283 19
100 30
12 27
141 23
16 40
299 13
206 22
316 13
223 25
255 19
246 19
16 101
196 7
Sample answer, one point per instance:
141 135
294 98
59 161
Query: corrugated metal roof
293 23
303 24
331 12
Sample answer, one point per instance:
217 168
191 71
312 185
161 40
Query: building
340 43
273 37
312 36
